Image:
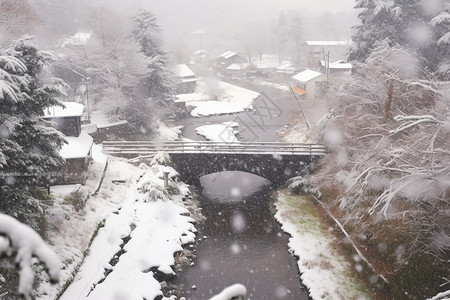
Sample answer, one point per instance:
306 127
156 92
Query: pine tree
437 52
28 146
410 24
159 83
380 20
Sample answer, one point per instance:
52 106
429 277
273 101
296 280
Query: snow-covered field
215 97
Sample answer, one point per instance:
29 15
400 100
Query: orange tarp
299 90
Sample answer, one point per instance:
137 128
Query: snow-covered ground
325 272
138 210
225 132
215 97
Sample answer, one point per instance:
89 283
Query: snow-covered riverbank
325 271
141 222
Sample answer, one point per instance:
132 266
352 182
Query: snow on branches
26 243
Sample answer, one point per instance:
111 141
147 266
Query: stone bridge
276 162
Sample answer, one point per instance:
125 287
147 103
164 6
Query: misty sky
222 18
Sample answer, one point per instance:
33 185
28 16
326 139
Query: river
244 243
240 242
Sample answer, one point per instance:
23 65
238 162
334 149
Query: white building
186 79
309 84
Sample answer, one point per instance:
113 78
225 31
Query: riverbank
123 241
326 271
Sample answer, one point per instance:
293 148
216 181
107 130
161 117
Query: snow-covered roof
228 54
77 147
286 65
71 109
237 67
200 52
266 64
80 38
306 76
327 43
183 71
341 64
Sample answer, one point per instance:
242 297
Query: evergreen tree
159 83
410 24
380 20
28 146
437 52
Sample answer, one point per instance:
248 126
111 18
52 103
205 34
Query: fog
214 26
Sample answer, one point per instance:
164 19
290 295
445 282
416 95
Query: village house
228 58
239 70
266 64
318 50
309 84
186 79
77 152
287 69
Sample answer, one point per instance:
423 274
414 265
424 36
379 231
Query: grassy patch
327 257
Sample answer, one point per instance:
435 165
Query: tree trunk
388 102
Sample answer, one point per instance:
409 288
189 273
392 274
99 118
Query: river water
240 242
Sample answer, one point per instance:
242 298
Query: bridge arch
277 169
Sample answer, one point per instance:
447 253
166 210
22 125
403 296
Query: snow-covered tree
159 83
423 26
437 51
28 145
380 20
17 18
115 64
296 33
389 132
24 243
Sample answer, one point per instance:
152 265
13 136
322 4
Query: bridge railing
148 147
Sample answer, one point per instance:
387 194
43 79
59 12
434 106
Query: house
340 66
318 50
77 152
287 68
337 68
266 64
309 84
66 119
239 70
198 57
186 79
228 58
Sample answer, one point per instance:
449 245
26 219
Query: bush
302 186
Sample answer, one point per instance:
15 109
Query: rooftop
238 66
76 147
183 71
341 64
71 109
327 43
306 76
228 54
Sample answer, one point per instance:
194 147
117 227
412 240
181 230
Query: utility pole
301 107
86 83
327 64
87 99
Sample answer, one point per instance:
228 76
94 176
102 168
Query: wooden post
166 177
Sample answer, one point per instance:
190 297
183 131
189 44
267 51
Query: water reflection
241 242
